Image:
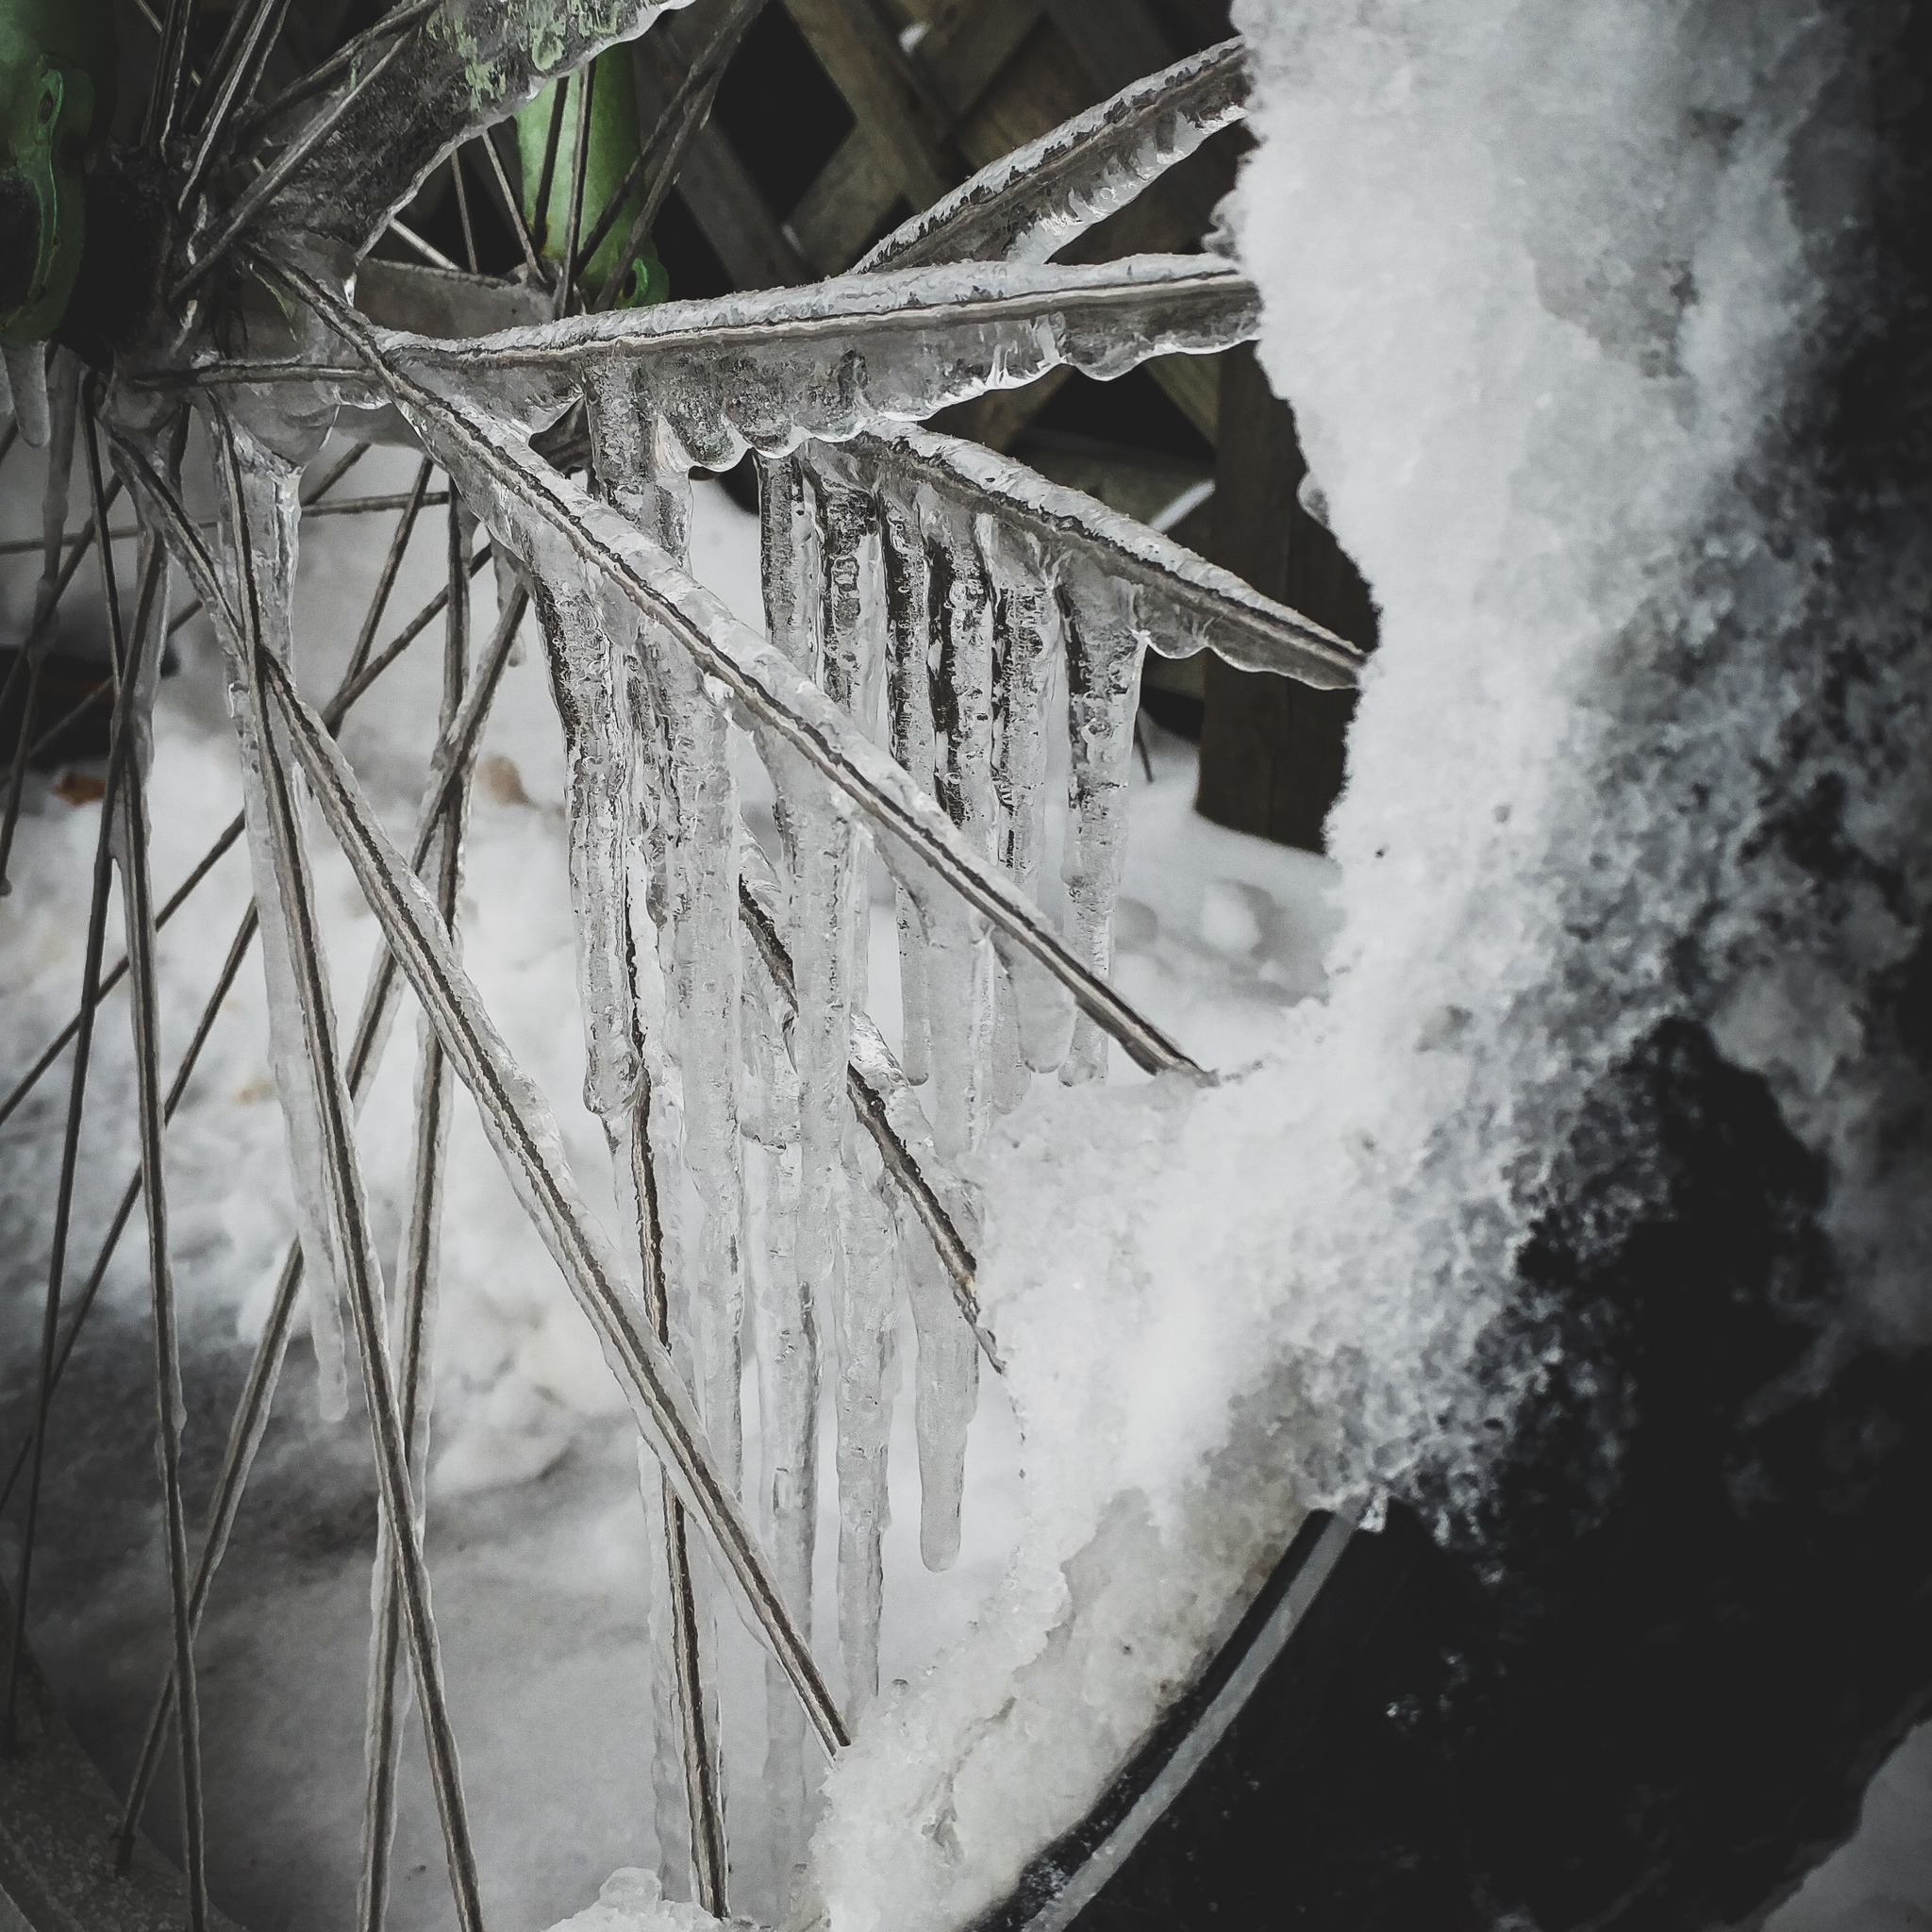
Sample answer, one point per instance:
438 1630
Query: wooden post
1271 749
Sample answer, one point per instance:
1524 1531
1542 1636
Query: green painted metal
56 98
614 145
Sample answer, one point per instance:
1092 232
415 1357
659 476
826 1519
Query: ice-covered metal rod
761 678
143 1012
347 1199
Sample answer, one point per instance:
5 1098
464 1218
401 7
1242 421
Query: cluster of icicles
725 996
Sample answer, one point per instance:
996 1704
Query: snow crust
1536 283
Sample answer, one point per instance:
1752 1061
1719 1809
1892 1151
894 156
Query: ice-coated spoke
1186 603
249 203
1031 203
140 670
663 154
510 482
416 1297
354 1250
63 1202
512 213
391 563
887 1109
232 71
834 357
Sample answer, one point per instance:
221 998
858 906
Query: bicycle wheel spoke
340 1169
524 1132
573 220
42 633
391 563
540 233
251 29
427 250
883 1104
253 198
63 1202
164 97
138 907
130 1195
518 228
455 175
340 63
417 1293
454 757
17 778
680 125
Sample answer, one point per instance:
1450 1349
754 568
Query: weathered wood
1272 752
965 44
1193 386
885 93
959 55
1118 41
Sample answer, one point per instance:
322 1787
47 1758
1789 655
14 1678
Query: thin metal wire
29 711
63 1202
345 57
416 1292
702 79
391 563
143 1010
539 232
343 1180
226 87
165 97
579 162
130 1195
515 215
427 250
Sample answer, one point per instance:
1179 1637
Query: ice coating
766 369
1104 645
269 514
1029 204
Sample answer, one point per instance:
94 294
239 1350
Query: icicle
867 1372
786 1350
270 514
908 619
1035 1016
958 987
944 1395
1103 646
